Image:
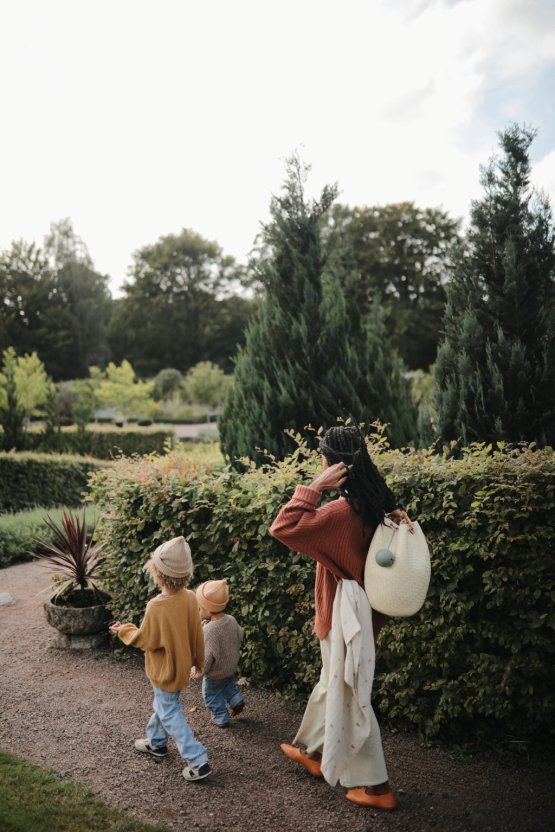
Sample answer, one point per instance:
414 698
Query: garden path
78 712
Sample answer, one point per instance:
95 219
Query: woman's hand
402 517
115 627
331 478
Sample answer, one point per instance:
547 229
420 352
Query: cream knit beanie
213 595
173 558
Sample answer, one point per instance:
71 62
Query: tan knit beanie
213 595
173 558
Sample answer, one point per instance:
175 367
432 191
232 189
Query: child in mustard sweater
172 638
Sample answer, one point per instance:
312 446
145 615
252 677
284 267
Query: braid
365 489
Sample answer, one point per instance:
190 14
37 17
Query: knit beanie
213 595
173 558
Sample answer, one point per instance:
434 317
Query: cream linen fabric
339 720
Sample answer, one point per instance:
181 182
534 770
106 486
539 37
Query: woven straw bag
397 570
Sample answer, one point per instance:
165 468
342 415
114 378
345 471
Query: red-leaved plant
75 558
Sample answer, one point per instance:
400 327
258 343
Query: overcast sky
136 118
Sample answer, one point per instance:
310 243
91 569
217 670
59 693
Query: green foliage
206 383
167 384
121 390
179 306
496 367
54 303
107 444
11 411
31 383
475 664
19 531
307 358
402 256
477 661
24 386
33 799
28 480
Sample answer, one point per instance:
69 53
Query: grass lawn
19 531
35 800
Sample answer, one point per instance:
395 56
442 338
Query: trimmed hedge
108 444
19 531
476 664
28 480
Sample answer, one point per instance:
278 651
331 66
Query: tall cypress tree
495 369
301 363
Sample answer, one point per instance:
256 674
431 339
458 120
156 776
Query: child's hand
196 673
115 627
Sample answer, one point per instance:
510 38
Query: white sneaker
145 747
198 773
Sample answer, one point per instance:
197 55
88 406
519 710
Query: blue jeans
217 695
168 720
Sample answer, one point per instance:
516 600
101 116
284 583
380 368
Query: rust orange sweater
335 537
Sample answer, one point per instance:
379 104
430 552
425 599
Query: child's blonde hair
158 577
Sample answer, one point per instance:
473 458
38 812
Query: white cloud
137 118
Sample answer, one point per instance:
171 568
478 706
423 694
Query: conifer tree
495 369
301 363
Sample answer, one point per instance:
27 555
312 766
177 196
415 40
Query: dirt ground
78 712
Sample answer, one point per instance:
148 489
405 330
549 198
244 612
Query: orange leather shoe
300 756
376 801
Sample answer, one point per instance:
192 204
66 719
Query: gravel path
78 713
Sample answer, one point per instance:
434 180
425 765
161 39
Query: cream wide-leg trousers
367 768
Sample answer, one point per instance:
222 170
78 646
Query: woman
337 536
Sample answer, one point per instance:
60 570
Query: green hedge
106 444
19 531
474 665
28 480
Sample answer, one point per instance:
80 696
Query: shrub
28 480
474 664
19 532
106 444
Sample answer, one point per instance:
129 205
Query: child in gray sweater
222 644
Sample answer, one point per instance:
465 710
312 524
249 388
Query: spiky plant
74 557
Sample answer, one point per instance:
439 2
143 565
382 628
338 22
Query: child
171 636
222 642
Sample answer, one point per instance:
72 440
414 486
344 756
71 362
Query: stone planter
77 627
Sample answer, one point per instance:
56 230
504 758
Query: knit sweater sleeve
209 655
304 527
145 637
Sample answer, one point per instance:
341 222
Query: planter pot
77 627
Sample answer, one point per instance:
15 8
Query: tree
24 386
11 412
167 384
32 383
402 255
171 313
302 363
86 299
32 315
121 390
206 383
496 366
52 302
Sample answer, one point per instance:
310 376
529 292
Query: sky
137 118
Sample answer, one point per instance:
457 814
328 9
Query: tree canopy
303 361
401 254
179 306
496 366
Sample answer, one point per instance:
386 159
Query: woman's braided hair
365 489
